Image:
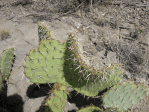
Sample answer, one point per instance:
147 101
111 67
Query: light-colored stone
70 107
111 58
32 105
58 29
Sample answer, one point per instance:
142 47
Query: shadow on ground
35 91
83 101
13 103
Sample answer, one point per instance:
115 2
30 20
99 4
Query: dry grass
4 34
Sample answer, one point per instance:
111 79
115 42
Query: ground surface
109 32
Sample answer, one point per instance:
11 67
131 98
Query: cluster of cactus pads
61 63
6 61
56 62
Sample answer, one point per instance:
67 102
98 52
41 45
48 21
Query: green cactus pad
58 98
6 61
90 109
98 85
111 110
85 79
124 96
45 65
97 109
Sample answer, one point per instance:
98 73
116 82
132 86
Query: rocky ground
109 31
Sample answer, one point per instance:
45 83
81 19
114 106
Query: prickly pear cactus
45 65
57 100
90 109
85 79
6 61
111 110
56 62
97 109
124 96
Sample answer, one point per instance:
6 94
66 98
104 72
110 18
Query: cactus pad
6 61
45 65
58 98
85 79
90 109
124 96
97 109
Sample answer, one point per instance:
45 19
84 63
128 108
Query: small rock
12 15
124 32
99 48
134 35
111 57
70 106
